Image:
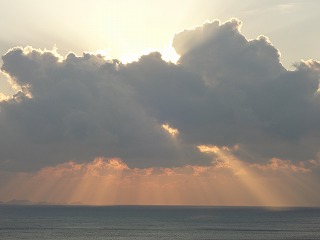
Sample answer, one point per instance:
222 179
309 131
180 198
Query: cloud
225 90
250 99
79 108
110 181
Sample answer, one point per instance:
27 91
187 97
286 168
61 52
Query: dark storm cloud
225 91
251 99
80 109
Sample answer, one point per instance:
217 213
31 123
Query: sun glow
172 131
263 190
168 54
228 181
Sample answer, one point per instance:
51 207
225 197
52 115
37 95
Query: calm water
62 222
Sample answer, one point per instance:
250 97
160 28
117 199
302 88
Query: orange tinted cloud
228 181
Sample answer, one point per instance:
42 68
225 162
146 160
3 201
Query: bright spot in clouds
168 54
170 130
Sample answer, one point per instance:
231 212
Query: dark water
127 222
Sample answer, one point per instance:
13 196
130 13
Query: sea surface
157 222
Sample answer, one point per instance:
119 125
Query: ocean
157 222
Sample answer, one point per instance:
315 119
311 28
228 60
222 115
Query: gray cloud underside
225 91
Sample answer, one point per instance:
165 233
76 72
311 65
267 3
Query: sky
160 102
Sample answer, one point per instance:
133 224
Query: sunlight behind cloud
228 182
222 123
170 130
168 54
265 193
